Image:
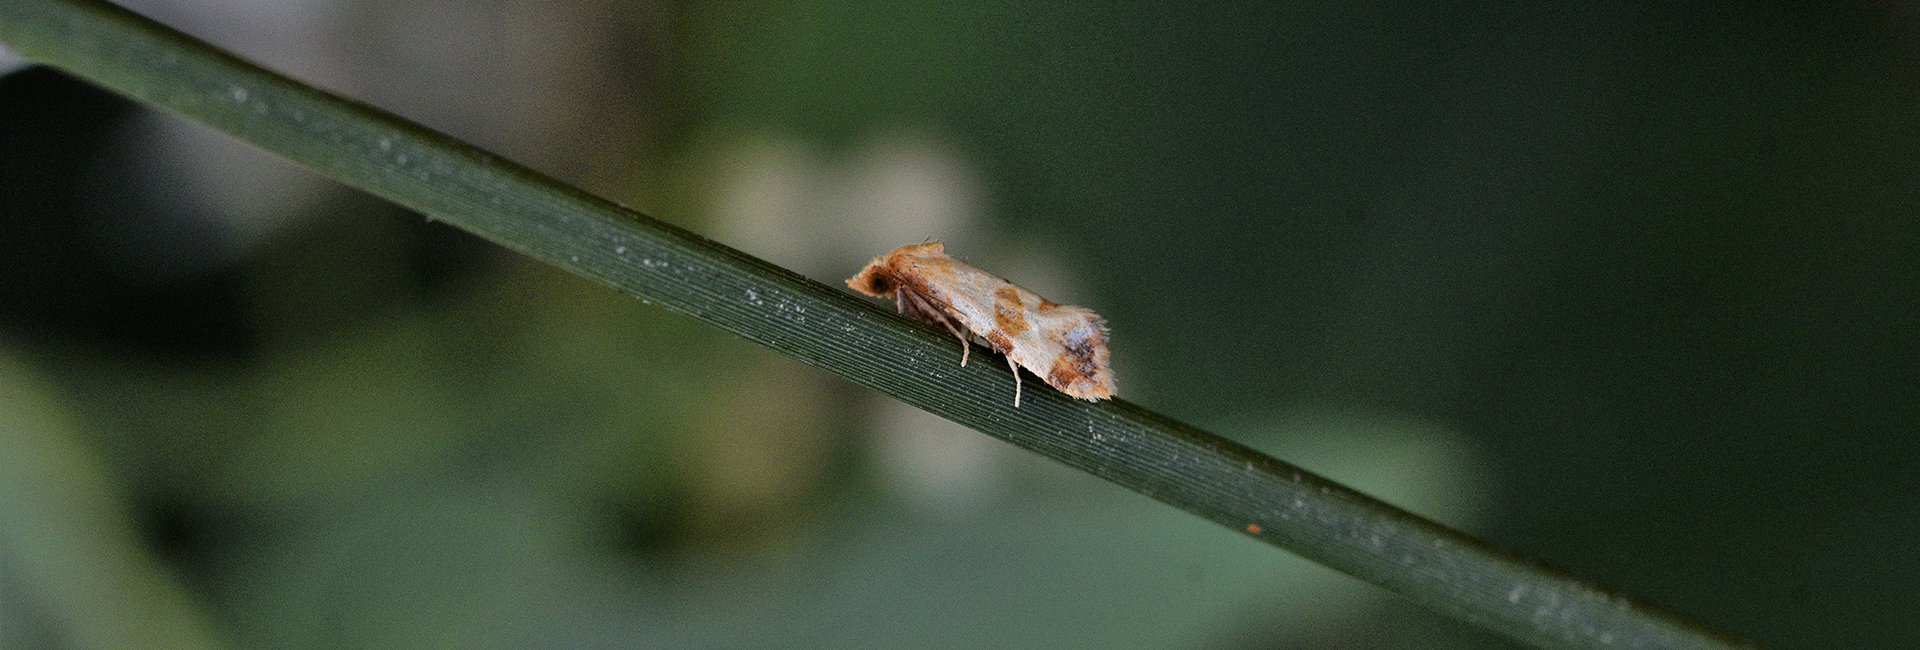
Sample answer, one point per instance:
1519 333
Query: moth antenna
1016 381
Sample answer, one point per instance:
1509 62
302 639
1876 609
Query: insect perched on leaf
1062 344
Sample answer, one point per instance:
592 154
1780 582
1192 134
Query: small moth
1062 344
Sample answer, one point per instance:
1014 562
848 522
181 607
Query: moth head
874 280
877 279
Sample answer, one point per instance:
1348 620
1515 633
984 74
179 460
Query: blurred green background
1628 287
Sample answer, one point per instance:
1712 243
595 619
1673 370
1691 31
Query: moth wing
1074 342
1062 344
964 291
1018 312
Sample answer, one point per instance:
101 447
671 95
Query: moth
1062 344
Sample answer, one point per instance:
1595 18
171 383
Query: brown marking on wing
1008 312
1071 380
1084 351
1079 371
999 340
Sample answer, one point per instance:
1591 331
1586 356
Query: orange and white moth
1063 344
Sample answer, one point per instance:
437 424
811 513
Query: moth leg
965 347
1016 381
912 304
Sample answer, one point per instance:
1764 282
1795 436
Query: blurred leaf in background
1625 286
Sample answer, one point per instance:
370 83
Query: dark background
1631 288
